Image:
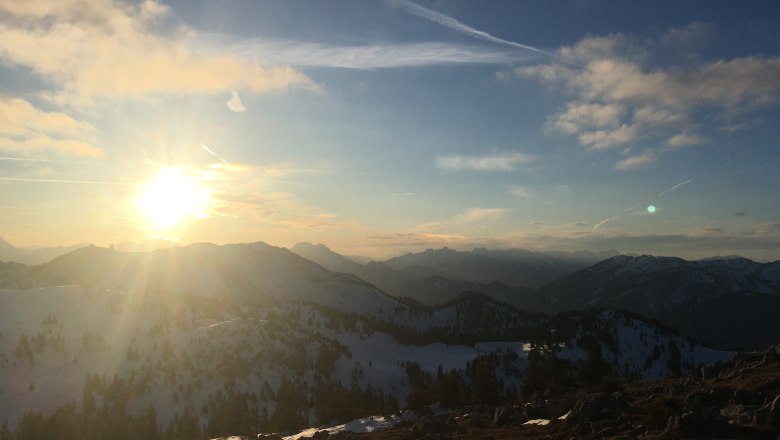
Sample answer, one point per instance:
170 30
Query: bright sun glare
171 198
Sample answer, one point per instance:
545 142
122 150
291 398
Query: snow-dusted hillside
214 336
730 302
660 282
177 353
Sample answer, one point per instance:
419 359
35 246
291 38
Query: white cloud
727 85
579 116
520 191
599 47
648 157
689 36
234 103
25 128
685 139
652 116
495 162
21 118
108 49
604 139
617 100
480 215
93 53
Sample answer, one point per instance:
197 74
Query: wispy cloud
365 57
685 139
648 157
234 103
31 159
224 166
761 242
691 36
561 227
495 162
78 182
413 240
480 215
519 191
42 142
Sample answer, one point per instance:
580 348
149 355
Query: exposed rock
738 414
593 407
744 406
672 425
774 413
509 416
710 371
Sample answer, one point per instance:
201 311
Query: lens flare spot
650 209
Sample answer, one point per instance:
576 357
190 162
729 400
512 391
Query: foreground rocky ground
739 399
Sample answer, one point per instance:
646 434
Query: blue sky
378 127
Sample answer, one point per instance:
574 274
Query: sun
171 198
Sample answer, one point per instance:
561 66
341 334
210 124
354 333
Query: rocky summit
737 399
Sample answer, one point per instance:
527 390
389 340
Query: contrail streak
214 154
663 193
82 182
601 223
447 21
27 159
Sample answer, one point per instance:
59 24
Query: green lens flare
650 209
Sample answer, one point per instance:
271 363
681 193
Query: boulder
591 408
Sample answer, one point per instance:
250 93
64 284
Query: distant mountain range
33 255
728 302
513 267
731 302
440 275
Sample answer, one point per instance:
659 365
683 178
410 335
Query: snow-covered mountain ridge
731 302
183 334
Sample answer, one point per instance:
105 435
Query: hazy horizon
147 245
380 127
